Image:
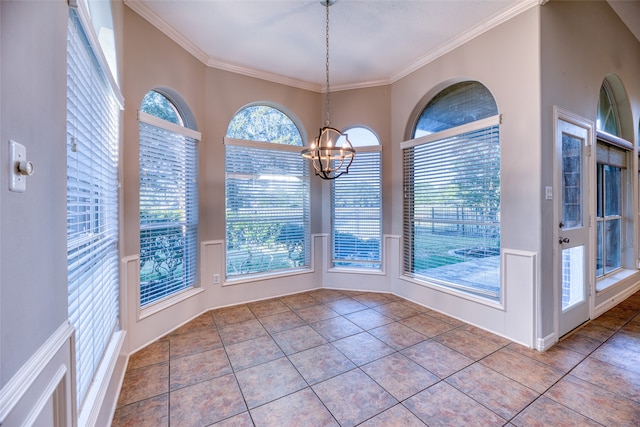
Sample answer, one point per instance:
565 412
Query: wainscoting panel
519 276
41 392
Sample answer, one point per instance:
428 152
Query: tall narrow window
168 200
609 210
93 112
267 194
356 206
452 192
611 188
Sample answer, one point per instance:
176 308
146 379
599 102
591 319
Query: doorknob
562 240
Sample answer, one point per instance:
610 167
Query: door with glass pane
573 271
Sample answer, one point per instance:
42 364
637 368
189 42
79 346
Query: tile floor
335 358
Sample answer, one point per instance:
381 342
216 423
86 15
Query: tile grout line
564 375
324 303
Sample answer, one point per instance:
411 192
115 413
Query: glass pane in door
571 181
573 291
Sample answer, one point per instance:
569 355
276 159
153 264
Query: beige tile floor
335 358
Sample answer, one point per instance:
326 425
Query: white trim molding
545 343
45 377
97 395
614 300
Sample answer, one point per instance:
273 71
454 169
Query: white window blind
168 209
92 205
357 212
452 209
267 208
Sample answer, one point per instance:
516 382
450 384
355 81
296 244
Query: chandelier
331 152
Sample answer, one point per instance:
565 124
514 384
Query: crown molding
465 37
359 85
145 12
263 75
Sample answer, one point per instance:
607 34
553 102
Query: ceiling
371 42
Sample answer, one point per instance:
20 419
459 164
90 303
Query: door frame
560 114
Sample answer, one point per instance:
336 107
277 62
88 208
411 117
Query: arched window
267 194
452 192
356 205
156 104
607 117
613 185
168 199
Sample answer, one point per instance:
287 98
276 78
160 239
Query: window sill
604 283
266 276
454 292
354 270
157 307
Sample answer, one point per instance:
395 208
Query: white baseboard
615 300
544 344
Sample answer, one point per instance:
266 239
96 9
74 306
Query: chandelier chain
331 153
328 88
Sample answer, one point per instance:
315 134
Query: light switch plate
17 154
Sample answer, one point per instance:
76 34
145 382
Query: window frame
260 150
604 221
408 268
164 294
611 89
612 142
375 181
97 300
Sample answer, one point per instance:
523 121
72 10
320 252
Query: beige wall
33 100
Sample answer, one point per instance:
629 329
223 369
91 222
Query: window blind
452 210
168 211
92 205
356 220
267 208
